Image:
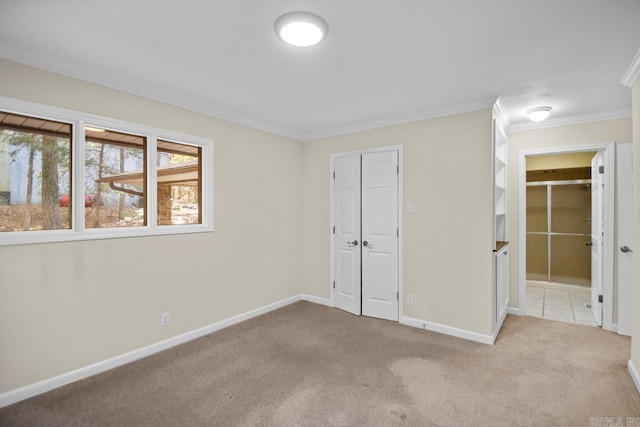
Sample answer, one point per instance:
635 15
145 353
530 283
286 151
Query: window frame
78 120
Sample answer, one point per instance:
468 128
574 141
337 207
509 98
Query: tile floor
563 305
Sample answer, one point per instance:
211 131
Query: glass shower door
559 232
571 234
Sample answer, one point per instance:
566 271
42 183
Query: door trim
624 187
400 149
608 150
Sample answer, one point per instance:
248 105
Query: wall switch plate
409 299
409 207
164 319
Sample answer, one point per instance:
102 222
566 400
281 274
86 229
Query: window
66 175
179 183
35 173
114 178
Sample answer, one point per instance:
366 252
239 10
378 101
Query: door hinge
334 230
599 298
334 174
600 169
334 284
397 232
398 296
398 170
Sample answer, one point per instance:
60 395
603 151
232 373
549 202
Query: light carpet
309 365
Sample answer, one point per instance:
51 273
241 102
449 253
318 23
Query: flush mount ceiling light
538 114
301 29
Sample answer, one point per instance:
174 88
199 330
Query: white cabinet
501 266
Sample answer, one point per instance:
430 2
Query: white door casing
597 227
625 235
347 241
380 235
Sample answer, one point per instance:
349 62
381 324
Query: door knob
365 243
352 244
625 249
589 243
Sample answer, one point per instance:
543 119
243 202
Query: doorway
589 239
365 232
562 208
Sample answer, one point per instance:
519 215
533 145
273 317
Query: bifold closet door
347 241
380 235
366 234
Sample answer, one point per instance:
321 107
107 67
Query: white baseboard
634 374
447 330
315 299
515 311
40 387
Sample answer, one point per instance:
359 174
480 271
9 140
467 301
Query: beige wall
589 133
448 239
560 161
66 305
635 293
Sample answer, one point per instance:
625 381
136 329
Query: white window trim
78 231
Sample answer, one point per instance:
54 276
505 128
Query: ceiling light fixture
301 29
538 114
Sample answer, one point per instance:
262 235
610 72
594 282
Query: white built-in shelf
499 182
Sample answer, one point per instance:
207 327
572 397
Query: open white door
597 227
380 235
347 261
625 235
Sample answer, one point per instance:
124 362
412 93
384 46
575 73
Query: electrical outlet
409 207
409 299
164 319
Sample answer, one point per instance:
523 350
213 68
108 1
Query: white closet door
347 262
380 235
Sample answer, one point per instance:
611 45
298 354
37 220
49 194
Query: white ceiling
383 62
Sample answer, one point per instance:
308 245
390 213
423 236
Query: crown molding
411 118
501 113
104 81
20 58
572 120
633 72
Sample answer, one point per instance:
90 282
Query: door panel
597 226
347 199
379 230
347 268
381 270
